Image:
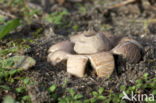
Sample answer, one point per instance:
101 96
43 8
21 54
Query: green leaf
121 95
145 76
9 26
83 9
26 97
154 80
12 72
122 87
132 88
93 100
138 85
61 100
56 17
2 19
75 27
52 88
139 81
101 97
71 91
65 83
77 101
4 87
78 96
19 90
101 90
68 98
152 85
116 99
154 92
7 51
8 99
95 93
122 101
7 63
86 101
26 80
127 91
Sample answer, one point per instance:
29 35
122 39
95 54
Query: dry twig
121 4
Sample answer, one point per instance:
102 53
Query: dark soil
125 20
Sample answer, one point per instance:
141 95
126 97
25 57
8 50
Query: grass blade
8 27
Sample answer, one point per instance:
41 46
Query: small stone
15 62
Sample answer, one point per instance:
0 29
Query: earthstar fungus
96 48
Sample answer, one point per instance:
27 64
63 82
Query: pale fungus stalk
76 65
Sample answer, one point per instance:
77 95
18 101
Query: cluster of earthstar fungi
96 48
